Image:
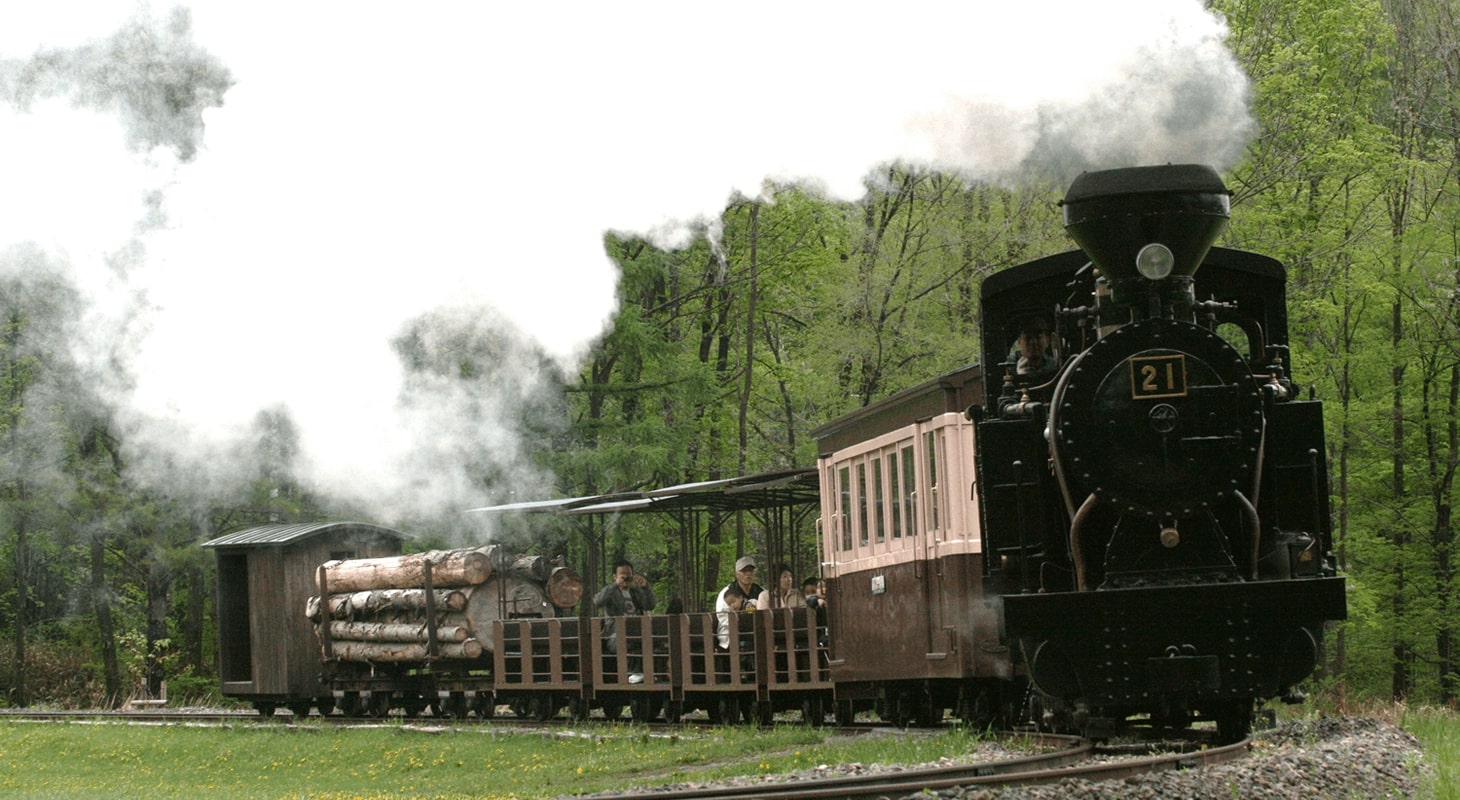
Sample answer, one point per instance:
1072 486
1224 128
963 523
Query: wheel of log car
644 709
412 704
299 708
325 705
813 711
544 707
455 706
577 709
731 712
379 704
673 711
846 713
351 705
484 704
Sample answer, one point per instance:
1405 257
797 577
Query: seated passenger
785 595
745 586
628 595
731 601
811 590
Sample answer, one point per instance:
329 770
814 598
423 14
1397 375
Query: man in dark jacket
628 595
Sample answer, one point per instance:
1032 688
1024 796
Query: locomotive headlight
1154 261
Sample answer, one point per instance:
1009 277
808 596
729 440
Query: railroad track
1052 767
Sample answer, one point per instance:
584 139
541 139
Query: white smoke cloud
370 164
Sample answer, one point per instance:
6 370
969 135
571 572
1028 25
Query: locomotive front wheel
1234 721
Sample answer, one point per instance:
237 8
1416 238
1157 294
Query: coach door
931 469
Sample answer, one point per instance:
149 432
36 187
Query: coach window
909 489
930 445
862 505
844 481
892 484
878 502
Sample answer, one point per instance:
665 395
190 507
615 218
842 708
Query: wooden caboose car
267 651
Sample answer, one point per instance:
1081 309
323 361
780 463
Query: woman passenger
785 594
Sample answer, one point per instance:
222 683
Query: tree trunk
106 628
395 632
502 597
193 621
564 587
448 568
369 603
400 651
19 693
159 598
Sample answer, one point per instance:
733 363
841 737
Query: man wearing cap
1036 363
745 579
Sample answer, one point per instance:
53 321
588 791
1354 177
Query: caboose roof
275 535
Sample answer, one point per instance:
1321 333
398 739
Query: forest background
724 355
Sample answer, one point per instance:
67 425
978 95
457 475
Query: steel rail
936 778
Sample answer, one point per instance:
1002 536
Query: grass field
395 761
405 761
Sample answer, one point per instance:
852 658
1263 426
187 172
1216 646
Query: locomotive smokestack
1147 228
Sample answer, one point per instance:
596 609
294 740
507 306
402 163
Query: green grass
116 761
1438 731
394 761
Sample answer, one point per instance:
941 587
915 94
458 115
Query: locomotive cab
1170 492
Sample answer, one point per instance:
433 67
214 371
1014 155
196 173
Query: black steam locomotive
1155 506
1120 516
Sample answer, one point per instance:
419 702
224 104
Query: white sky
376 160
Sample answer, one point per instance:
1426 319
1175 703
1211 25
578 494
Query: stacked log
376 609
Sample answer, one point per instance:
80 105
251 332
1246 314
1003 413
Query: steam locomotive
1134 530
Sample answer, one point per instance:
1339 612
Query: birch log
448 568
367 603
395 632
402 651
